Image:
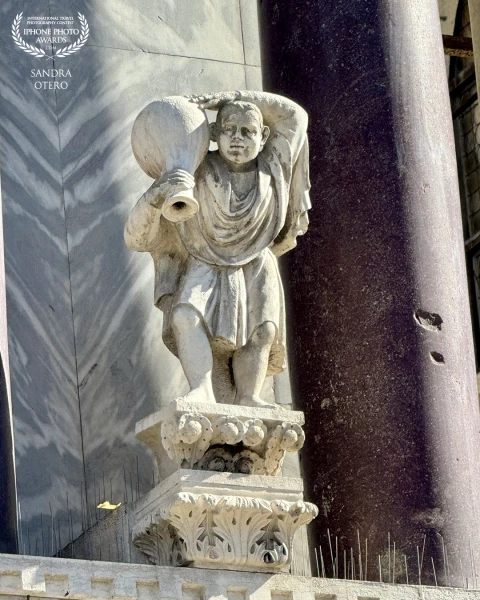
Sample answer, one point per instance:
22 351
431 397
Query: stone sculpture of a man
217 279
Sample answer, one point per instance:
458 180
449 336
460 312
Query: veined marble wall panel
125 371
208 29
249 17
253 78
40 325
77 295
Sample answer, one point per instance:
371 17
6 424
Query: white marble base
34 577
223 437
222 521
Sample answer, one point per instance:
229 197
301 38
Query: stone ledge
230 484
22 576
269 415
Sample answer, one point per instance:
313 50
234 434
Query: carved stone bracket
222 531
223 438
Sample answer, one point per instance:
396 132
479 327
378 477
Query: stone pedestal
219 437
222 520
377 292
224 507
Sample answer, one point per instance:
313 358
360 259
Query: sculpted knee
183 318
265 334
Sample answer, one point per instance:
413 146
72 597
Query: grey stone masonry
33 577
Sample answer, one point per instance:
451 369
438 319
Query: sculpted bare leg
250 365
194 352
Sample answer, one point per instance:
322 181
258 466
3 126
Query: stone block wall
32 578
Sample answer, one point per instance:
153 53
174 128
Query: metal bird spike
43 540
103 480
434 572
52 527
423 550
419 569
322 562
366 558
316 561
336 556
360 566
389 561
138 478
446 561
131 484
95 494
20 527
331 551
445 572
70 525
393 570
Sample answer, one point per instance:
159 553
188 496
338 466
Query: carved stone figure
215 224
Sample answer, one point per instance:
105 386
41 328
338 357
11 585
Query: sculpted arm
142 226
281 114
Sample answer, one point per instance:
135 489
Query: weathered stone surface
215 223
218 437
229 521
29 576
210 30
390 405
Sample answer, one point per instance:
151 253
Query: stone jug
172 133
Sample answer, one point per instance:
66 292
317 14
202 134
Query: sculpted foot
254 401
199 395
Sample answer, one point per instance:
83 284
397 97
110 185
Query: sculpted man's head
240 133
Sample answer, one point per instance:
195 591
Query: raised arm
281 114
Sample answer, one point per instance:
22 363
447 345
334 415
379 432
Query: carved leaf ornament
227 444
230 531
39 52
187 437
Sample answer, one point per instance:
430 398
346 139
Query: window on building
466 122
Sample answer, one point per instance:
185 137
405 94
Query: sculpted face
240 136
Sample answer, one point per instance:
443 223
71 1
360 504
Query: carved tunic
232 278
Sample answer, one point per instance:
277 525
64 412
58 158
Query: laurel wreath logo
39 52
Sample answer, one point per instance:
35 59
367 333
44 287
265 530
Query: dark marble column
380 335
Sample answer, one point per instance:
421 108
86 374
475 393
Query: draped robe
222 262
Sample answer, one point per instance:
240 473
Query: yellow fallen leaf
107 506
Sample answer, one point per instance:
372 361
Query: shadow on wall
8 512
87 358
41 345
